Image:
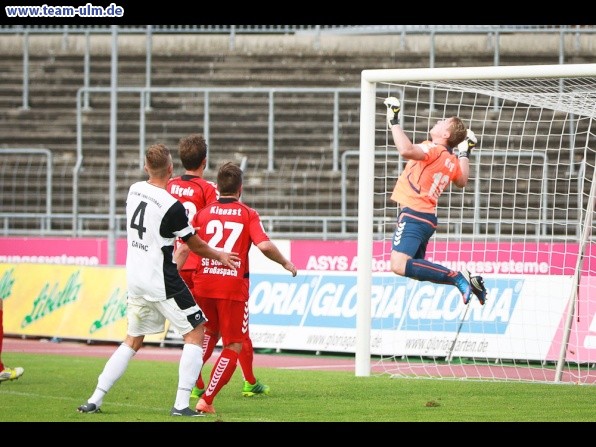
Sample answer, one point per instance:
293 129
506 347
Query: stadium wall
535 44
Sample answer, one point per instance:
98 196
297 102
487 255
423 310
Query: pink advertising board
480 257
66 251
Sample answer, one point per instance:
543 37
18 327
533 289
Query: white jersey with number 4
154 219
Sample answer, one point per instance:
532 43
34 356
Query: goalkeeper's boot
478 288
11 373
196 392
462 282
203 407
257 388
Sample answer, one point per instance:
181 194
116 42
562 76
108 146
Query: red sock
209 343
1 337
245 358
199 383
220 374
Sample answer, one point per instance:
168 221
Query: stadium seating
303 181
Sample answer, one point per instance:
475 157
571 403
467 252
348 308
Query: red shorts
226 317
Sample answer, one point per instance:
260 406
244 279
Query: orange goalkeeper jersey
423 181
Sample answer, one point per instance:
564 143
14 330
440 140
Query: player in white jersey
156 291
154 218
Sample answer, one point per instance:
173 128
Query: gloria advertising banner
317 311
529 286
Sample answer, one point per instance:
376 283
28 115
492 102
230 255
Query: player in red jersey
226 224
195 192
431 167
192 189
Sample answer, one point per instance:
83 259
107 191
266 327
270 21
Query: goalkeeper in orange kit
431 167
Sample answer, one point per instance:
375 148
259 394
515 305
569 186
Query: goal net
524 222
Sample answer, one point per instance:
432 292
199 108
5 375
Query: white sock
112 371
191 362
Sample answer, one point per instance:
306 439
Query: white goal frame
369 107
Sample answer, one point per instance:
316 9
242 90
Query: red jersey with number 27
231 226
423 181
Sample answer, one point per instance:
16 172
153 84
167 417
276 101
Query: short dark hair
229 179
193 151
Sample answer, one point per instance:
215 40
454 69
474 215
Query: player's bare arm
462 180
270 250
200 247
180 255
404 146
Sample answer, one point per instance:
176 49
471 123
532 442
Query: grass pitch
53 386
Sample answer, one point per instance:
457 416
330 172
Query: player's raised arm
404 145
464 151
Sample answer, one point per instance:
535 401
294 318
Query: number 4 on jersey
137 219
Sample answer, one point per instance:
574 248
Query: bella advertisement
85 303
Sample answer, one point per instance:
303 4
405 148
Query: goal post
524 222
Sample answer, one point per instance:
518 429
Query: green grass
54 385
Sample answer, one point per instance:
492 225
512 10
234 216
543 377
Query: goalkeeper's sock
423 270
427 271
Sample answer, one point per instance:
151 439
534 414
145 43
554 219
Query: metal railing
144 92
312 227
47 153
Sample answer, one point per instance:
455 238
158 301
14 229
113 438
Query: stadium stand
303 182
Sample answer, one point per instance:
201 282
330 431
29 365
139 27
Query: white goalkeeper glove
393 108
465 147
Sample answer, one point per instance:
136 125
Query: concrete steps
302 183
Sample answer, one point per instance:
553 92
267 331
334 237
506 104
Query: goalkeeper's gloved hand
465 147
393 108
